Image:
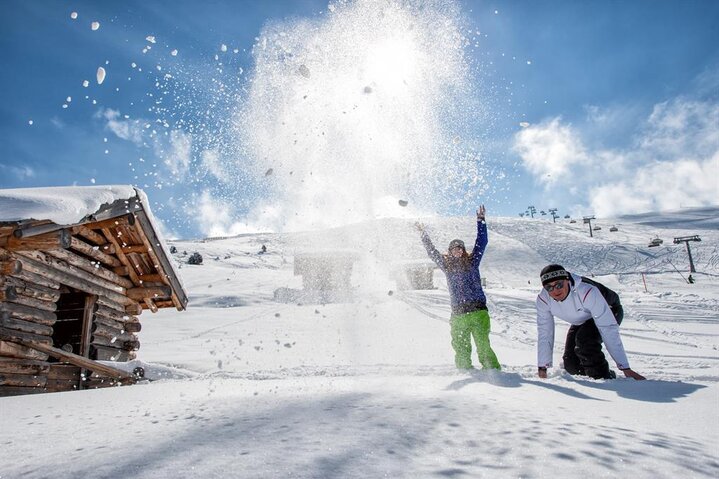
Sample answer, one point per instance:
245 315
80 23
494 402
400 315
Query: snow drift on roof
64 205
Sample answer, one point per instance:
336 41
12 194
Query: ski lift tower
686 240
553 212
588 221
532 210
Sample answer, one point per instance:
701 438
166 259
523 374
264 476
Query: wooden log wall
34 272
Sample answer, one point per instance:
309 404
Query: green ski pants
463 328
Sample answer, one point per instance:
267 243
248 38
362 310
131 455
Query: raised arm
434 255
482 239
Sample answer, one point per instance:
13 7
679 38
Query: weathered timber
99 329
105 353
94 252
128 219
24 380
19 351
27 339
91 267
37 279
112 313
123 258
90 235
60 385
29 313
59 239
112 323
153 278
23 366
87 316
162 263
149 292
121 271
7 292
7 391
133 326
35 303
10 267
151 305
165 304
135 309
124 345
80 361
25 326
34 228
135 248
41 262
31 290
63 371
83 282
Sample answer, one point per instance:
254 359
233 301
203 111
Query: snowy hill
246 385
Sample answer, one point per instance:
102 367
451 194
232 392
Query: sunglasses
556 285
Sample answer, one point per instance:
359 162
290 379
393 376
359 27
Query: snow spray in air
358 115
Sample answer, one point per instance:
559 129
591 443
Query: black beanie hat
456 242
553 272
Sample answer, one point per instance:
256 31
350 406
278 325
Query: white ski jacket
583 302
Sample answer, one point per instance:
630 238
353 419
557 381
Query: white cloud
216 218
130 130
20 172
673 161
549 150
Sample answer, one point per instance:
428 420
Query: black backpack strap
610 296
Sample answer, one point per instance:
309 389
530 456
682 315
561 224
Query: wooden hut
77 268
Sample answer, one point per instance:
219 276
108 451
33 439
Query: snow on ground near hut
246 386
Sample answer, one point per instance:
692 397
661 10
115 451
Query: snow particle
92 180
30 122
69 99
304 71
73 15
85 83
524 124
150 38
223 47
403 202
173 53
100 75
95 25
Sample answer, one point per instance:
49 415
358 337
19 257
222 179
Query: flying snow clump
95 25
100 75
150 38
73 15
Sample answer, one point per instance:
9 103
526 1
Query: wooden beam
28 313
140 294
9 349
121 271
136 248
40 304
151 304
126 219
80 361
37 280
73 277
99 329
124 259
94 252
105 353
10 268
90 235
30 290
24 380
26 339
59 239
25 326
23 366
91 267
85 338
7 292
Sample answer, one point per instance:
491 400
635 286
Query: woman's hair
463 263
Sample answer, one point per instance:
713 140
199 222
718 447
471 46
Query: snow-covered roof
63 205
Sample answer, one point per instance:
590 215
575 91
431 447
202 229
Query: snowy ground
246 386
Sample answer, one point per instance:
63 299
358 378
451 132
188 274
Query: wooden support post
118 249
87 316
139 294
80 361
94 252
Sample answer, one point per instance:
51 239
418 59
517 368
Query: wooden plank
64 371
91 267
99 329
105 353
149 292
111 313
7 391
79 361
112 323
23 380
151 305
135 248
93 237
126 219
83 283
15 350
124 345
123 258
87 316
37 279
35 303
94 252
30 290
121 271
27 339
23 366
59 239
25 326
162 263
29 313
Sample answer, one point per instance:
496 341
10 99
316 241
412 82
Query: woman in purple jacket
470 318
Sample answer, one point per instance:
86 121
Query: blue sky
590 107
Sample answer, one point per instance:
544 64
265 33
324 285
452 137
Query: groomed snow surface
247 386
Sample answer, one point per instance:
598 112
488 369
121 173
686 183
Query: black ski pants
583 349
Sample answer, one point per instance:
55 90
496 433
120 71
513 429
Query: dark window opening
67 331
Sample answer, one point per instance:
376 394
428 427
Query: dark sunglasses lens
555 285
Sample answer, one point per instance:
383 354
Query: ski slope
247 386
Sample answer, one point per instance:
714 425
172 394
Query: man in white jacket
594 312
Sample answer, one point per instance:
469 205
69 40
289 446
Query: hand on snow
480 213
634 375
